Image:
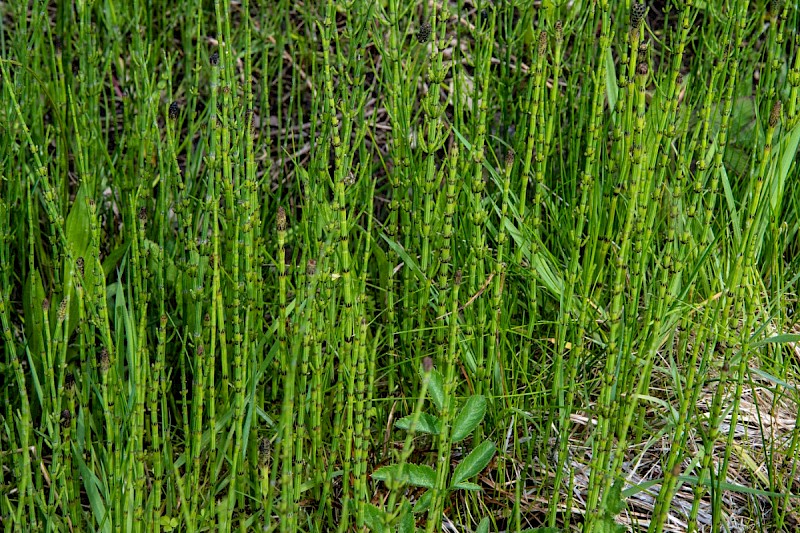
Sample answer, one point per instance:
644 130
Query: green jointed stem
649 220
448 411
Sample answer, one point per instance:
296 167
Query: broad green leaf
423 503
375 519
406 524
78 225
32 298
474 462
426 424
421 476
168 523
608 525
111 260
483 527
436 389
78 230
469 417
613 503
416 475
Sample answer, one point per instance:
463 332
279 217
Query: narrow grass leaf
734 487
91 484
612 89
774 379
34 372
779 339
729 199
787 153
409 262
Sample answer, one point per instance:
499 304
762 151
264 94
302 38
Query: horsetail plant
231 253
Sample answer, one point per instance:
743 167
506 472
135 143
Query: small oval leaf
473 463
423 503
426 424
467 485
421 476
468 419
436 389
406 524
417 475
375 519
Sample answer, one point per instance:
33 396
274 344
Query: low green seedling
470 415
